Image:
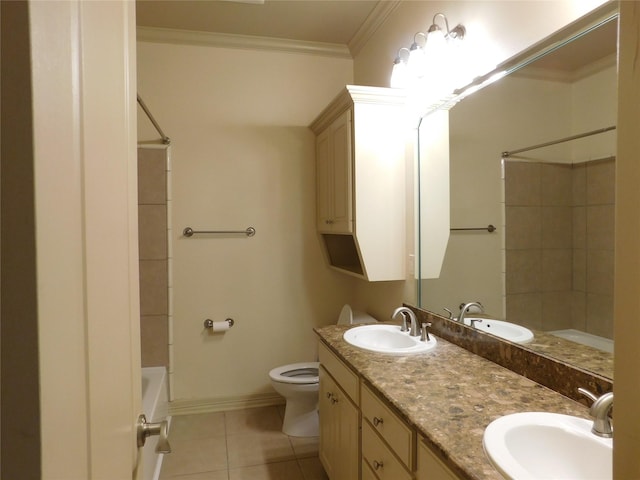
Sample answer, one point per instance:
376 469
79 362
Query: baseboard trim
221 404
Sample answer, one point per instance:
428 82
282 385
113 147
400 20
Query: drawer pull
377 421
334 400
329 395
377 465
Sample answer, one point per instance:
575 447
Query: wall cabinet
361 140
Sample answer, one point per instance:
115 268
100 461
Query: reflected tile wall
152 244
559 245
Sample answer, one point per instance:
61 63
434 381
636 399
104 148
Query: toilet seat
296 373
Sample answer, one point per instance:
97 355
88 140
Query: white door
84 128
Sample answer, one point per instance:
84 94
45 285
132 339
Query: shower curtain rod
555 142
166 140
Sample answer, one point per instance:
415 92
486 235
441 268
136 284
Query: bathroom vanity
416 416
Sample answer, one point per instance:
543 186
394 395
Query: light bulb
399 74
417 62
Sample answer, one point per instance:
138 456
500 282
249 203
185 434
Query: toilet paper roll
221 326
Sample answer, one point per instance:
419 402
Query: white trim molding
374 21
247 42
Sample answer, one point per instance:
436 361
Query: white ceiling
326 21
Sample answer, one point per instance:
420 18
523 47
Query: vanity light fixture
431 57
457 33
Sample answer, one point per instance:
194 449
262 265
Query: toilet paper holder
208 323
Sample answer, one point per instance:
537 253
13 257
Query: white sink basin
387 339
508 331
537 446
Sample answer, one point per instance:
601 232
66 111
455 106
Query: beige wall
242 155
591 112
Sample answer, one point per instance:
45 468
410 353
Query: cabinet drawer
431 467
343 375
394 430
367 472
378 456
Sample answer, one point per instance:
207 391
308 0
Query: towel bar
189 232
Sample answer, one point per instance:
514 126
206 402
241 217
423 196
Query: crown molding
374 21
247 42
357 95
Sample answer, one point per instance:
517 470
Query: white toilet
298 383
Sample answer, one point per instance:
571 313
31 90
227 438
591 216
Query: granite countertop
450 395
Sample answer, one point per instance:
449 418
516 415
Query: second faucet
465 307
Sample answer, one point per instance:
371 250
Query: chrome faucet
465 306
404 311
600 411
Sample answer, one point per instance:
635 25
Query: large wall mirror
533 154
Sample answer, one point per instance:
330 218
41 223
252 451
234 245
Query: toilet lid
299 373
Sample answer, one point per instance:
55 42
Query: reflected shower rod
507 154
488 228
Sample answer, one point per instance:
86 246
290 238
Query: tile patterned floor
239 445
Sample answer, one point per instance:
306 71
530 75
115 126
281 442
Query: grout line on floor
226 443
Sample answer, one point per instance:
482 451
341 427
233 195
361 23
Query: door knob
145 429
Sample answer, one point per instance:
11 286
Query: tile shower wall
153 249
593 242
559 245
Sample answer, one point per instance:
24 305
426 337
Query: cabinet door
334 176
328 431
342 152
348 455
324 180
430 467
339 431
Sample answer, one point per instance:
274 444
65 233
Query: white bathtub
601 343
155 406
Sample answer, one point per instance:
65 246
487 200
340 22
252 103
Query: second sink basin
508 331
387 339
540 445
